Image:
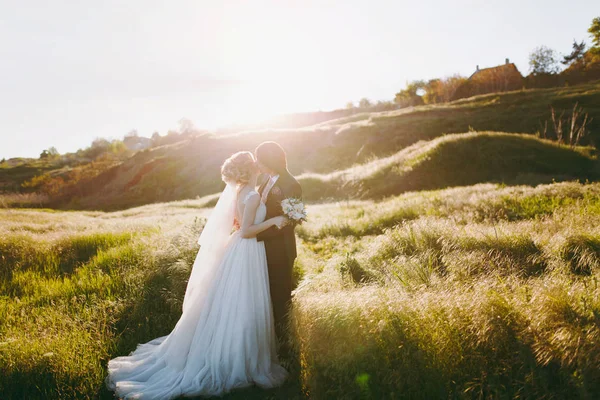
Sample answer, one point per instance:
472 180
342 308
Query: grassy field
483 291
435 263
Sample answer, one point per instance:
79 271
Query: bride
225 337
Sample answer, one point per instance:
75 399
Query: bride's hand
281 221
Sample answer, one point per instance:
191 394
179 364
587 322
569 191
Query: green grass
582 253
483 291
457 160
488 203
72 300
455 304
486 340
420 275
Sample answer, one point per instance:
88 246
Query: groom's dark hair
272 155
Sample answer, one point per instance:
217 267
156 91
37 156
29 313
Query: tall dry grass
476 292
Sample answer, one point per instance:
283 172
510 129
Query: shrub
582 253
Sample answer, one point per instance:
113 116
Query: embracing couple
237 296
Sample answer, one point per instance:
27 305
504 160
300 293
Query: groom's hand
281 221
274 231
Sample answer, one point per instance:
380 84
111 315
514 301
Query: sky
72 71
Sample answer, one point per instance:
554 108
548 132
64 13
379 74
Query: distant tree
117 147
49 153
98 147
384 106
186 126
132 133
543 60
3 161
364 103
451 86
433 91
594 31
411 96
349 105
100 143
443 90
584 65
171 137
576 54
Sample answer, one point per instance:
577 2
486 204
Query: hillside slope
457 160
450 160
191 168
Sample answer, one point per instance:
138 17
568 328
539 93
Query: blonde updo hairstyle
238 168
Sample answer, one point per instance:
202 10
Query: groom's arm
277 196
273 232
293 190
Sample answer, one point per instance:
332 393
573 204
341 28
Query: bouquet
295 210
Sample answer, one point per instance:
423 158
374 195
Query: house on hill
495 79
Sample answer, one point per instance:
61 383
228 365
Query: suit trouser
280 266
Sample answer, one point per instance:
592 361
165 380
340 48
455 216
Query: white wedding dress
225 338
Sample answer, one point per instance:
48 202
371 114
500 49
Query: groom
280 244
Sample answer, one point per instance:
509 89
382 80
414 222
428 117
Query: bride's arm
248 228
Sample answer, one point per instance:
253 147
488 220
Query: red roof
509 68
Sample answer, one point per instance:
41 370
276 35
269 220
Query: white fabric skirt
224 340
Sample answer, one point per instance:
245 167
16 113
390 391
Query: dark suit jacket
280 246
286 186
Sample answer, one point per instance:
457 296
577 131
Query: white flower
294 209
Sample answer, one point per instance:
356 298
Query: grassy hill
457 160
16 171
190 168
484 291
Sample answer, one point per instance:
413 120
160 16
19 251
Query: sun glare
259 100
